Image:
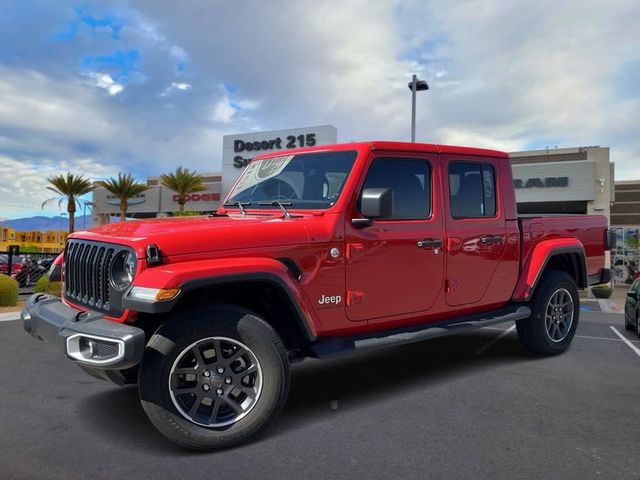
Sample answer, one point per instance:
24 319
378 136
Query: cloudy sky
142 86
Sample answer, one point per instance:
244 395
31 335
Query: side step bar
327 347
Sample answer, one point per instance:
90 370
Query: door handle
429 243
489 239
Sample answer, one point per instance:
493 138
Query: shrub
8 291
55 288
42 285
187 213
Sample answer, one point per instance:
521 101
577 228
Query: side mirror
375 203
633 294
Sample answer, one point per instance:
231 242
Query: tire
632 327
222 419
551 328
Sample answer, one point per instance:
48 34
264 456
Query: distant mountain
42 223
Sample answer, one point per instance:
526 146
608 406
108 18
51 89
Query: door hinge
354 250
451 285
355 298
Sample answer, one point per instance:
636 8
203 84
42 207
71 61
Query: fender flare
538 260
192 275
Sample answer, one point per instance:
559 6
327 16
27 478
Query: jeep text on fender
316 251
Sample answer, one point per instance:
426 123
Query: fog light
86 347
95 350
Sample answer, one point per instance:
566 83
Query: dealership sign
199 197
536 182
238 150
137 200
564 181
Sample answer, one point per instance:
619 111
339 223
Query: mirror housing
633 294
375 203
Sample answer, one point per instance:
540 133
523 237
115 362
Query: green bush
8 291
55 288
187 213
42 285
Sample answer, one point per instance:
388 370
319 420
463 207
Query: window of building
410 180
472 190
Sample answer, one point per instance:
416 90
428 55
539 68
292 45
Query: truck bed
591 230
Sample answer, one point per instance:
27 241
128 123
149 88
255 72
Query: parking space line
589 337
629 344
604 338
489 344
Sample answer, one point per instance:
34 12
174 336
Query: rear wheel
214 377
555 311
632 327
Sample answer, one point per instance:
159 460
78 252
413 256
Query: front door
396 265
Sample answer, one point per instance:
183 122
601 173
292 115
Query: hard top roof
397 147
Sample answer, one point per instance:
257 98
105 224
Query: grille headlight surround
123 270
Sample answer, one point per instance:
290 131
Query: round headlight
123 270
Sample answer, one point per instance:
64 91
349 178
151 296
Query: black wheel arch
265 294
571 260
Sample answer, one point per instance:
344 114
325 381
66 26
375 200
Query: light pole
415 85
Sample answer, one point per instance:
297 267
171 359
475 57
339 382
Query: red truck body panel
379 279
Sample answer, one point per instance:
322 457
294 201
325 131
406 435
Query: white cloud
223 111
180 86
501 74
23 185
104 80
178 53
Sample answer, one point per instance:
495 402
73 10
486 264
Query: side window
410 181
472 190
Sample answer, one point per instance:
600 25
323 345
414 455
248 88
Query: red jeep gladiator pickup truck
315 252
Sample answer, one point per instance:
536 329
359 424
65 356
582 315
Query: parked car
316 252
16 265
32 268
632 308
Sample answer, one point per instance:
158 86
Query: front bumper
84 337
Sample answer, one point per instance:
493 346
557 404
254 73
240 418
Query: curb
8 317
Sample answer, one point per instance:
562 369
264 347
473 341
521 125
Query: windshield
304 181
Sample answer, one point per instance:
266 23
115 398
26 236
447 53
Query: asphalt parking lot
472 406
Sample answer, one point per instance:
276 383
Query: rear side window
410 181
472 190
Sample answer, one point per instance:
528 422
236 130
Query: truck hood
182 235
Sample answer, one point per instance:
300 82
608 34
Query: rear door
396 266
476 228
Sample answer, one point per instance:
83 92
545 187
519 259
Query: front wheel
214 377
555 310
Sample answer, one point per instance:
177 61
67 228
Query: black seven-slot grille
87 275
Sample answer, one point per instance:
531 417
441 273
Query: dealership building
554 180
564 180
156 201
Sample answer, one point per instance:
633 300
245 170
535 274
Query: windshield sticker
261 170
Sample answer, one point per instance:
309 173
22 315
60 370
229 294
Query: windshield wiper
282 205
240 205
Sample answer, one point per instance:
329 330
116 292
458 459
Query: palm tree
123 188
183 182
70 187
